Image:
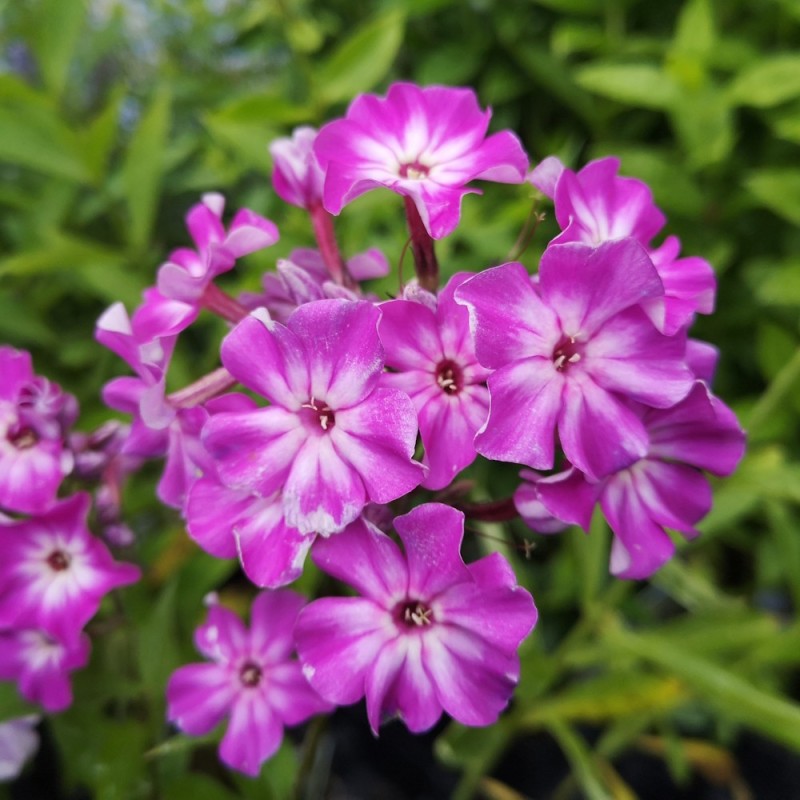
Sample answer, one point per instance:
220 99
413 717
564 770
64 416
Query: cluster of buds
583 374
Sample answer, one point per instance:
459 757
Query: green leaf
638 85
704 124
197 787
768 82
158 650
98 136
363 60
55 37
142 171
584 765
778 190
554 76
694 33
732 696
33 136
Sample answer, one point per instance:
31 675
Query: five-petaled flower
250 677
424 143
429 633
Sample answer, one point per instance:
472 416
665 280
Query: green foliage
114 117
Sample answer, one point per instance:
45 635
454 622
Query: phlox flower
296 176
426 143
187 273
431 353
332 439
41 663
146 342
250 677
568 352
595 205
664 489
429 633
34 417
54 573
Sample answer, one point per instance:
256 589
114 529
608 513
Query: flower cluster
583 373
53 571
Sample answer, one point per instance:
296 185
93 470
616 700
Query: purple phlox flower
332 439
187 273
303 277
34 417
432 357
424 143
596 205
145 341
54 573
296 176
429 632
568 352
40 663
664 489
18 742
251 678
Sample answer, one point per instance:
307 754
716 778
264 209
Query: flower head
429 633
41 663
54 573
425 143
332 439
250 678
34 417
431 353
296 176
568 352
664 489
188 272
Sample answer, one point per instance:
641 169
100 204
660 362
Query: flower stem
325 235
422 246
222 304
211 385
494 511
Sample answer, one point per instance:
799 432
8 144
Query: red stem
425 262
211 385
322 222
495 511
222 304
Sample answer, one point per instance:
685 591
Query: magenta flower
54 573
146 342
430 633
596 205
41 663
296 176
34 416
432 355
423 143
188 272
568 352
252 679
665 489
332 439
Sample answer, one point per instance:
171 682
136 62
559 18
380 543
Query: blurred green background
116 114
